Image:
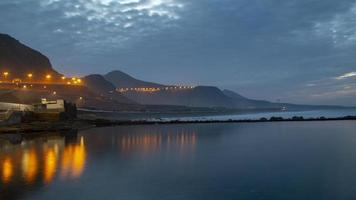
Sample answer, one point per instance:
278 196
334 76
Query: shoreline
82 124
105 123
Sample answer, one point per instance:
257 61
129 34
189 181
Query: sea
274 161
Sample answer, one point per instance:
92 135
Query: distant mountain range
200 96
100 91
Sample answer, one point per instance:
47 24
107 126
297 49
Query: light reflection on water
41 160
29 165
287 160
7 170
150 142
42 163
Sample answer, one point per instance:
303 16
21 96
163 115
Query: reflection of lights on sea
73 160
29 165
7 170
149 142
50 165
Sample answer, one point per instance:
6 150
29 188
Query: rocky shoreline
104 122
37 127
80 124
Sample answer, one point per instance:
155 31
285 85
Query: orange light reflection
29 165
7 170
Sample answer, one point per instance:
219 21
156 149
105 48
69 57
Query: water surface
286 160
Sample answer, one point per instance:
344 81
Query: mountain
123 80
100 86
19 60
201 96
243 102
234 95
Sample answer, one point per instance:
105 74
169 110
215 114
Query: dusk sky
299 51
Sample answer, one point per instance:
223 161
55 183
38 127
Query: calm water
287 160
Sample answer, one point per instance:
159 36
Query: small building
50 106
60 108
57 110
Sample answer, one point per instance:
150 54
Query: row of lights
70 81
54 92
155 89
73 80
30 75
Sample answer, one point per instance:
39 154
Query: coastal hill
201 96
123 80
20 60
241 101
101 92
100 86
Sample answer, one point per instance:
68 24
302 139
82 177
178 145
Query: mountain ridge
19 60
123 80
202 96
97 84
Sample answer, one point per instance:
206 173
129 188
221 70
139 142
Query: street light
48 76
29 75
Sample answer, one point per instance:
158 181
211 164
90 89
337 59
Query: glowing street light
29 75
48 76
6 74
63 78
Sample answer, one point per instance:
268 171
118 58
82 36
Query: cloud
347 75
341 29
111 22
263 49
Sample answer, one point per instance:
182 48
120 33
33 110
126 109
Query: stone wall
15 107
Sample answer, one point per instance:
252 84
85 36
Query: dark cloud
272 49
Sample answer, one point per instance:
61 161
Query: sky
298 51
